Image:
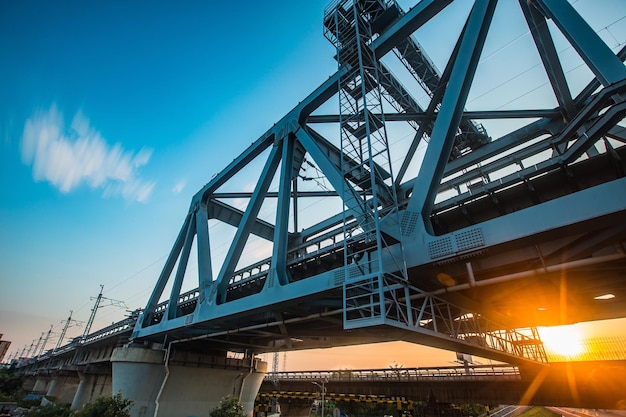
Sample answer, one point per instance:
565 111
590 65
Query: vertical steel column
281 231
205 272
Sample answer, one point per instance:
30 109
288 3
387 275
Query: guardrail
399 374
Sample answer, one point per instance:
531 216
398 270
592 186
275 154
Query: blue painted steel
165 274
409 23
205 273
294 299
281 234
243 231
453 102
172 306
596 54
549 56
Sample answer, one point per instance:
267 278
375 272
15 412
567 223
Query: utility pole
69 322
37 345
45 340
94 310
30 348
323 389
275 368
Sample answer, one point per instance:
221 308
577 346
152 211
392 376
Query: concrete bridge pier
63 387
41 384
90 387
185 383
29 383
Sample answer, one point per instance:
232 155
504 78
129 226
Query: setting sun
565 341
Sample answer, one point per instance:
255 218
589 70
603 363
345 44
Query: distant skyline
114 114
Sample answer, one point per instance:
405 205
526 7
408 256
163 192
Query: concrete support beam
185 383
41 385
63 388
91 386
29 383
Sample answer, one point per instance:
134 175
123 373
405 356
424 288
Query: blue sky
113 114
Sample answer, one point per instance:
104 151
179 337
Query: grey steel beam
153 301
452 105
236 165
318 97
281 232
172 305
230 215
422 116
427 125
577 132
591 135
243 231
330 170
617 133
205 271
547 51
594 84
596 54
274 194
406 25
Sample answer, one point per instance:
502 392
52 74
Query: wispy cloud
70 157
179 187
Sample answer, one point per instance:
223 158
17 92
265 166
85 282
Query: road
584 412
515 410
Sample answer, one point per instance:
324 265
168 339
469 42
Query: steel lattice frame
451 212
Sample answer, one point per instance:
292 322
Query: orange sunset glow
562 341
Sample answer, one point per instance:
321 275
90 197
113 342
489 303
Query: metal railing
401 374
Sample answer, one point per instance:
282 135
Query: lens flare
562 341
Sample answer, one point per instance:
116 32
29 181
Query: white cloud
67 158
179 187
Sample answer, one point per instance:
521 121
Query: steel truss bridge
393 204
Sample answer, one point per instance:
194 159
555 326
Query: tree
10 385
229 407
50 410
115 406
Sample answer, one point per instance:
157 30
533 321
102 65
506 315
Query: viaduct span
437 221
593 384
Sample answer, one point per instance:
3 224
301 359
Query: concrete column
188 384
83 391
91 386
52 387
41 385
138 374
63 388
29 383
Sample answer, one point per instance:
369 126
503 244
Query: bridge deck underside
551 283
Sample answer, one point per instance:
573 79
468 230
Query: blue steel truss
390 258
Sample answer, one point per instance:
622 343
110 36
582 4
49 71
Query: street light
323 389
